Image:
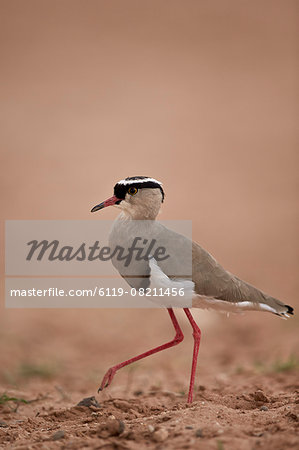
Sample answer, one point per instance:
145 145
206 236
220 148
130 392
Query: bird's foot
108 377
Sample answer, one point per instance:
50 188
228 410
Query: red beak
109 202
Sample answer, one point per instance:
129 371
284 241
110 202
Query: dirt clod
293 416
89 401
259 396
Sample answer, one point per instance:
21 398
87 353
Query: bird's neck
143 212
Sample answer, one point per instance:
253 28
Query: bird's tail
279 308
266 303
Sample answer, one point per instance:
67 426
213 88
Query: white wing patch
203 302
159 280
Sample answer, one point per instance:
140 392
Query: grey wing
213 281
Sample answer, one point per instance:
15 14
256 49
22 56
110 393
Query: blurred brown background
198 94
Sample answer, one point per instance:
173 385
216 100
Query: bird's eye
132 190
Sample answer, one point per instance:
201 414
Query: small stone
151 428
138 393
160 435
60 434
115 427
89 402
189 427
264 408
166 418
3 424
199 433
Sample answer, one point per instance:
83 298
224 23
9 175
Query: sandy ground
246 394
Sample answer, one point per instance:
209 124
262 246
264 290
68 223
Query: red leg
177 339
196 336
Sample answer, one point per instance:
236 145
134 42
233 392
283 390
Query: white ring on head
143 180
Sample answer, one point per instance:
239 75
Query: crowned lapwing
140 199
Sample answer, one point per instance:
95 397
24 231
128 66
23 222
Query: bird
209 285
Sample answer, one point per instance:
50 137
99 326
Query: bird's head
138 197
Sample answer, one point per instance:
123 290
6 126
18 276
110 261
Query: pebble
115 427
151 428
60 434
3 424
264 408
165 418
199 433
138 392
160 435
